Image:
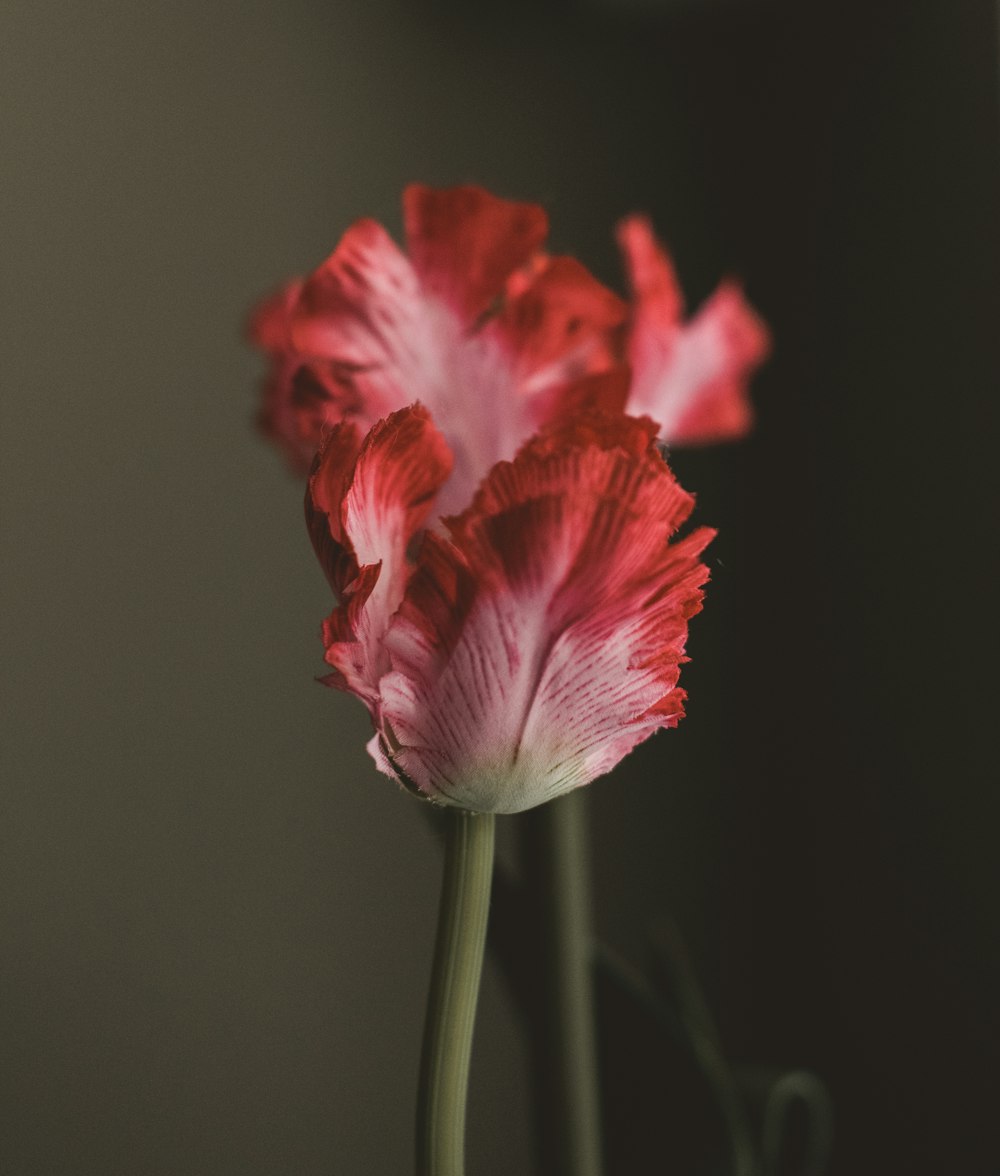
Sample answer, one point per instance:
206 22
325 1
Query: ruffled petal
329 481
652 278
295 403
541 642
364 505
562 326
691 378
465 243
709 377
363 314
269 326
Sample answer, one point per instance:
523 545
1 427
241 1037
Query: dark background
216 919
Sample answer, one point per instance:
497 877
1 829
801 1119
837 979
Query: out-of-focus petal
295 404
363 314
364 505
603 392
541 642
514 374
651 275
269 327
692 378
563 325
465 243
708 379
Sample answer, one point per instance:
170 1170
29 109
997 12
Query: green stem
571 996
454 990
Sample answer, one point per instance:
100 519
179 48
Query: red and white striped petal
364 505
560 327
466 243
543 640
292 396
692 378
364 314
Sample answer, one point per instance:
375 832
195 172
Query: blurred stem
571 1012
703 1038
454 991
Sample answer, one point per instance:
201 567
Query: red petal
604 393
362 313
544 641
651 276
465 243
692 379
345 303
296 402
361 341
561 327
302 400
710 375
269 327
329 481
364 507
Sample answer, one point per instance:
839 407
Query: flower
493 335
501 538
535 640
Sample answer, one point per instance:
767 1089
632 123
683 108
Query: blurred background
215 919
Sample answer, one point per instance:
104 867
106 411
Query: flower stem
454 990
571 1009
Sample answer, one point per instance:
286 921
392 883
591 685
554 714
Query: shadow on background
216 919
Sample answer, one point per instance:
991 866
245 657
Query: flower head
493 335
534 640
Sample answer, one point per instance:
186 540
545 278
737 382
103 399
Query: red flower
535 641
492 335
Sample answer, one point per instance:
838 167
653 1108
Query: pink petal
364 506
543 641
465 243
691 378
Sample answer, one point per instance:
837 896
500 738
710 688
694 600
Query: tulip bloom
489 332
539 637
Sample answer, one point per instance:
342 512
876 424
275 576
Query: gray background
216 918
